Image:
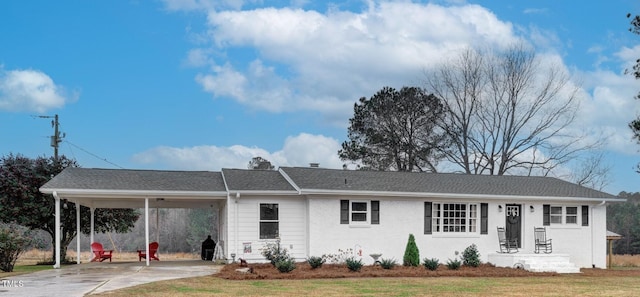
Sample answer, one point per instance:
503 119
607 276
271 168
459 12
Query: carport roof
136 180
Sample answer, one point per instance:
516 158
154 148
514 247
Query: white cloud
629 55
308 60
608 106
31 91
297 150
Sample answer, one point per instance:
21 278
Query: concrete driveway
89 278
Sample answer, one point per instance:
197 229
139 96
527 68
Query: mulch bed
303 271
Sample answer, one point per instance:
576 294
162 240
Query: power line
94 155
57 138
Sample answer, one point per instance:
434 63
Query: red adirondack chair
153 251
99 254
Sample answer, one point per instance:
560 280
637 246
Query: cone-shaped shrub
411 253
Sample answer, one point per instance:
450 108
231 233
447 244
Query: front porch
559 263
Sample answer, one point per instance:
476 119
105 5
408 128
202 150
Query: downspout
57 229
592 235
235 227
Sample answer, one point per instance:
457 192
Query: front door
513 225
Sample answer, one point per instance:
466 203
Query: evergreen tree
411 253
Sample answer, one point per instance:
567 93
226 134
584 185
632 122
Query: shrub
411 253
471 256
353 264
454 264
14 240
387 263
315 262
273 252
285 266
431 264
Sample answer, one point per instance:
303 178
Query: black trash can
208 246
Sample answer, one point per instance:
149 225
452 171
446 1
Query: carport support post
77 232
57 228
93 213
146 228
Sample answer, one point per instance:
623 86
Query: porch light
500 208
531 208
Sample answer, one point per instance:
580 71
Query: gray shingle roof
137 180
445 183
256 180
317 179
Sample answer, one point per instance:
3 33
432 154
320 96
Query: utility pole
55 139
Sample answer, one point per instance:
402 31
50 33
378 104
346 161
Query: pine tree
411 253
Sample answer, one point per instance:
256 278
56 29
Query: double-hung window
556 215
269 225
571 215
359 212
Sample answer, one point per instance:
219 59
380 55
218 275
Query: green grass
22 269
564 285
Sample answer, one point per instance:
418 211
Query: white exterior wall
400 217
586 245
244 226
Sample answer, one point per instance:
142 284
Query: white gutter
451 195
98 193
268 193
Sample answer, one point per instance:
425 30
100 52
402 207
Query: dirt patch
303 271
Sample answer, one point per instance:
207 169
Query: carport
142 189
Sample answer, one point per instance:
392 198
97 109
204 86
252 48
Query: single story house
316 211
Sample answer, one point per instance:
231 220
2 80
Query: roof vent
314 165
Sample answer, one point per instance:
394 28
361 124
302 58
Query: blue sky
202 85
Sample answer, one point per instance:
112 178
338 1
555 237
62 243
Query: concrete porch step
551 266
559 263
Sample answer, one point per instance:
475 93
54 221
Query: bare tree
507 112
592 172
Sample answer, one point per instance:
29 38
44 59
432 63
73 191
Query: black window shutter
375 212
427 218
546 217
484 218
344 211
585 215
